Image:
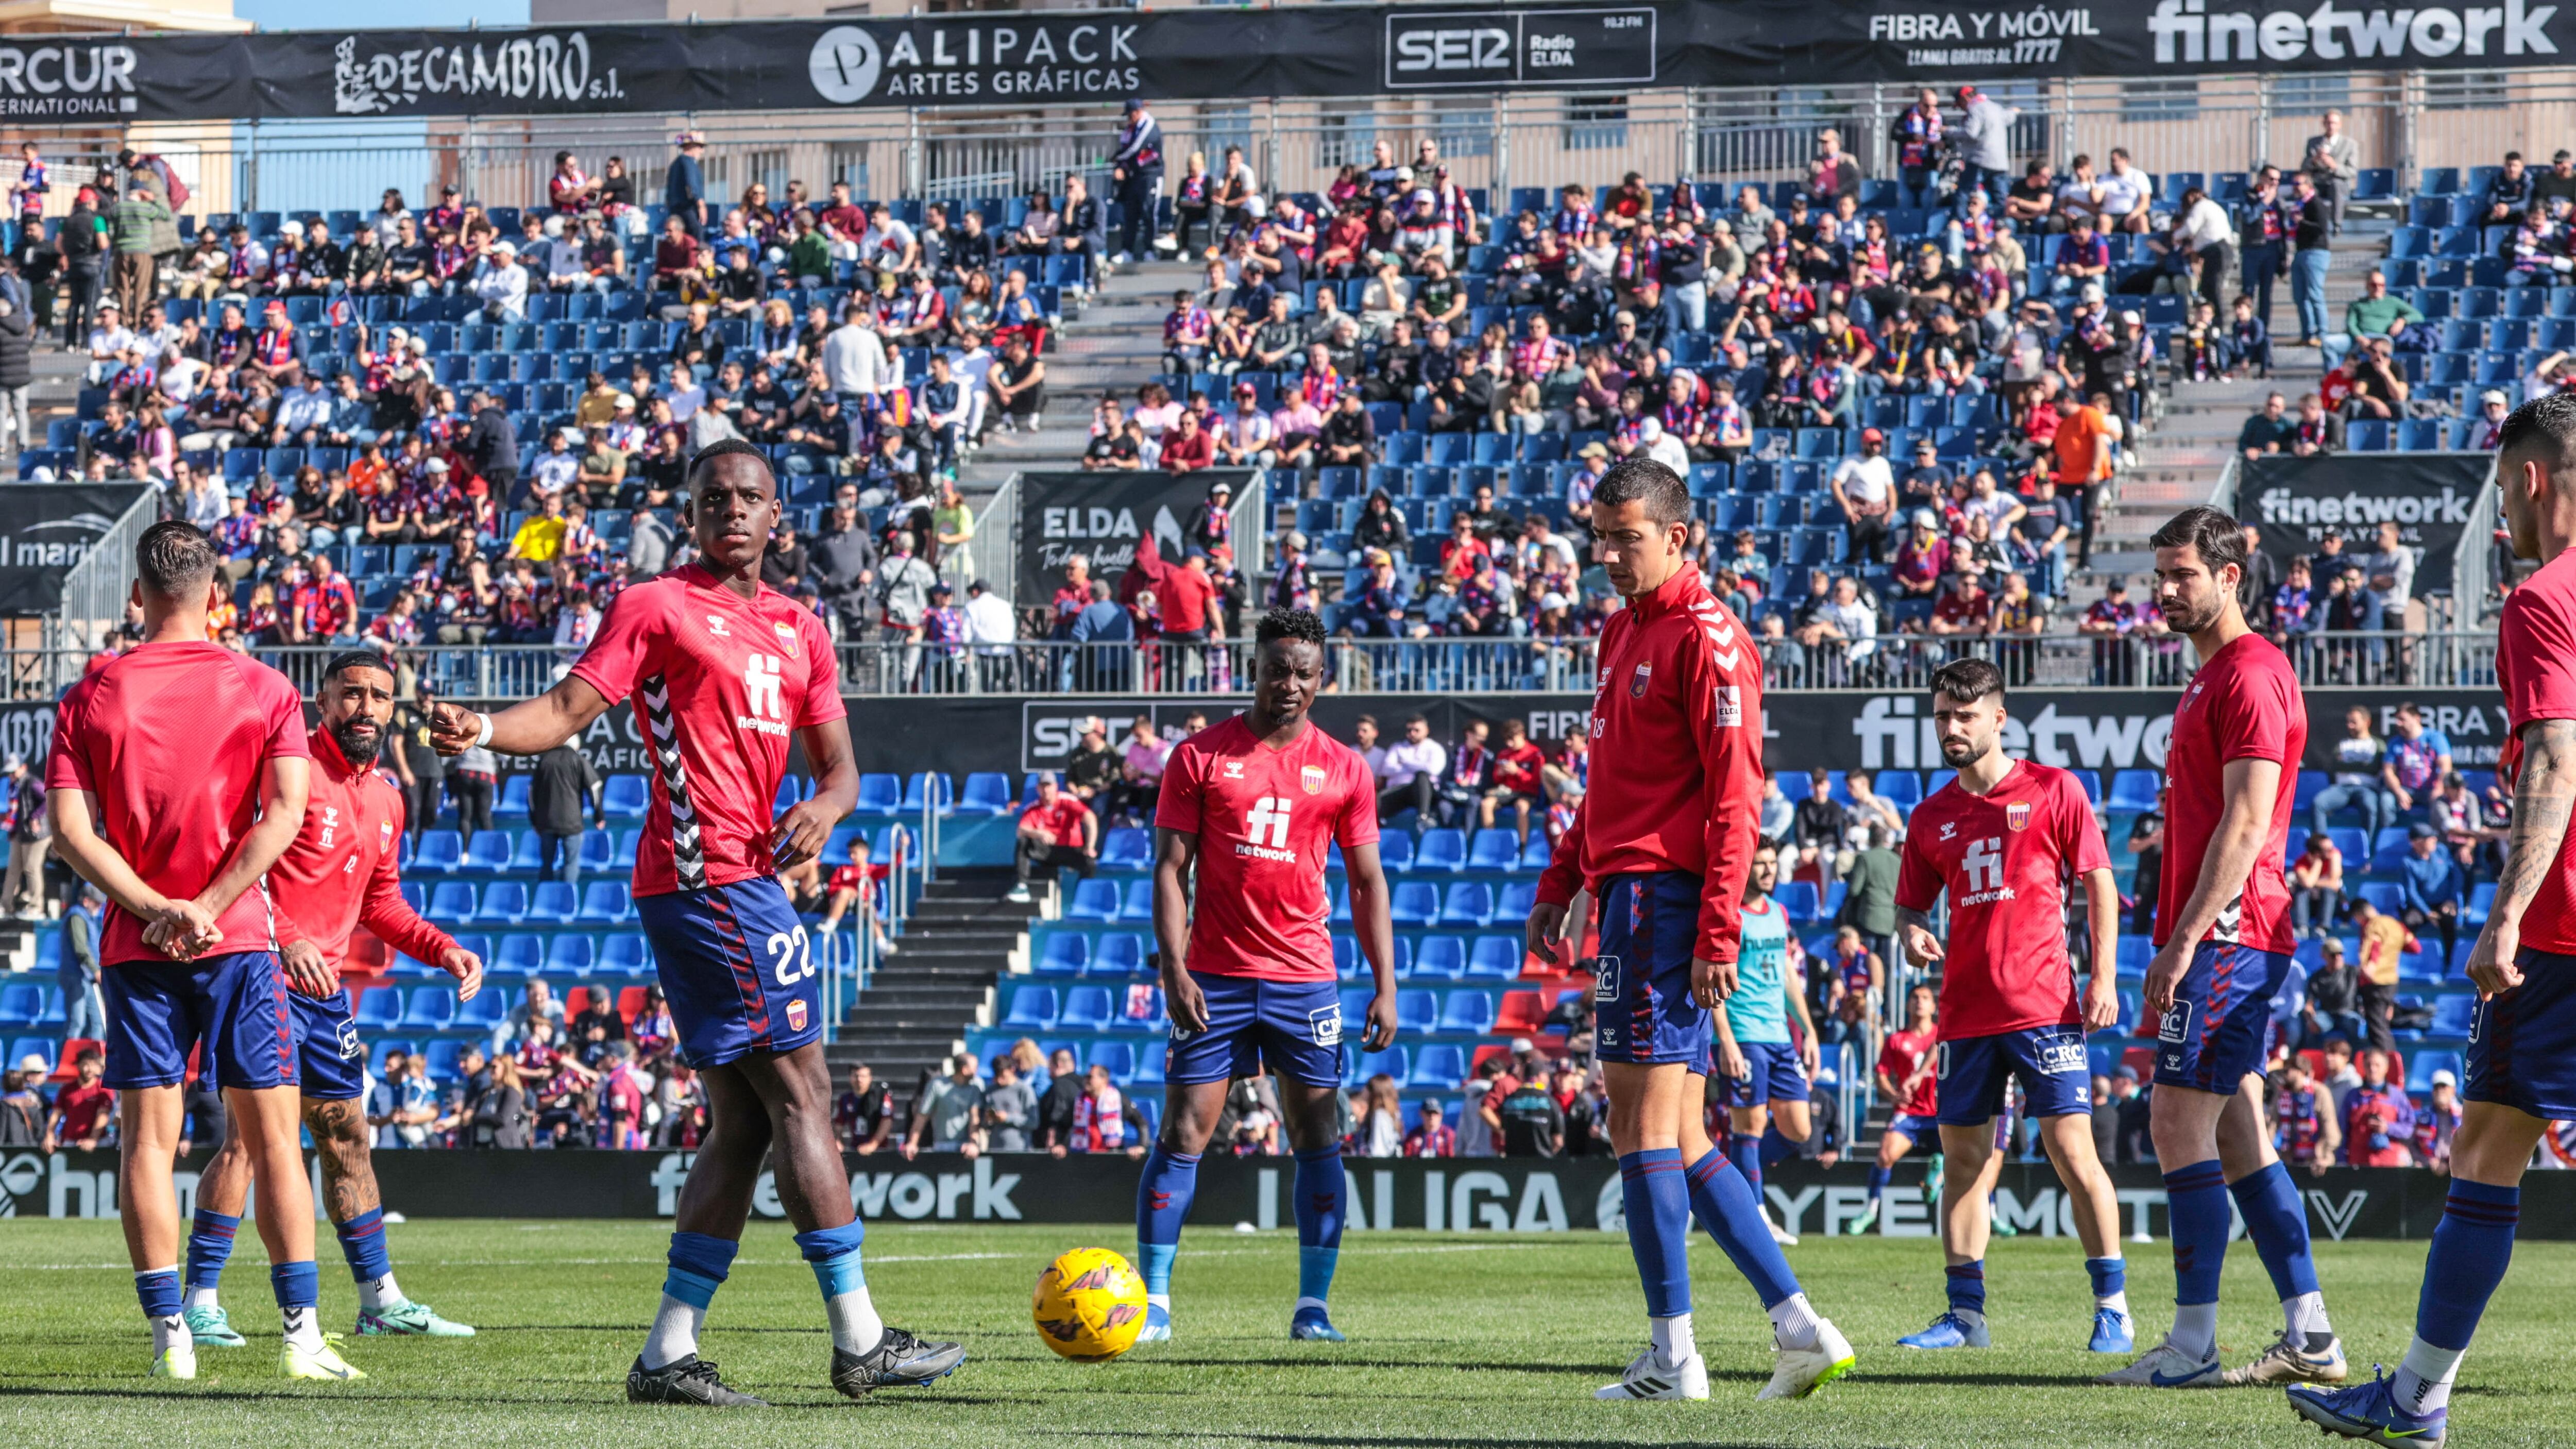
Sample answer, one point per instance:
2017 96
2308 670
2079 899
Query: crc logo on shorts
2061 1056
2017 815
796 1015
1605 985
1326 1021
2175 1028
350 1048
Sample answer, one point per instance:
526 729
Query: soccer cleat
412 1318
2112 1332
2288 1362
898 1361
1649 1377
322 1363
1867 1220
176 1362
1018 896
1948 1331
1314 1323
1779 1234
2367 1411
688 1380
1158 1325
2001 1227
2166 1367
1801 1371
211 1327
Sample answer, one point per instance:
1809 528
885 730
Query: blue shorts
1294 1026
1643 1012
331 1059
1920 1129
2522 1043
2056 1075
2221 1018
1772 1073
736 968
232 1005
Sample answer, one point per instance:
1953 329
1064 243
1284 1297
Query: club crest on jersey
785 631
1312 777
796 1015
385 834
1637 682
2017 815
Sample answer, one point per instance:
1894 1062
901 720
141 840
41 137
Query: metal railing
95 588
850 954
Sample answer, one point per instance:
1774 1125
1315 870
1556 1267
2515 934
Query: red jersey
1062 821
1676 737
1899 1059
720 684
85 1110
2536 669
339 873
1266 821
2243 704
2006 857
173 739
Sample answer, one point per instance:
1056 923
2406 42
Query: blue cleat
1948 1331
2367 1411
2112 1332
1158 1325
1314 1323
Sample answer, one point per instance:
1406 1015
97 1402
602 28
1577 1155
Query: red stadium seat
1522 1011
67 1068
630 1000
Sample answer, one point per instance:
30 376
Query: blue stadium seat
919 790
1798 900
19 1004
1440 850
987 793
1392 1062
554 904
1516 901
1086 1008
2387 896
514 792
488 1011
879 795
2452 1012
571 953
2135 790
1394 852
2421 1065
1066 953
1495 958
505 903
1416 1012
431 1008
2091 780
1440 1069
439 854
381 1009
628 796
1127 848
1094 900
1118 1056
1493 850
1440 958
626 952
525 858
606 903
1469 903
1121 953
598 850
1137 902
1033 1008
1536 854
523 954
451 904
1467 1012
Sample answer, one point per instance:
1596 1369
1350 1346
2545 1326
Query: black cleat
690 1380
898 1361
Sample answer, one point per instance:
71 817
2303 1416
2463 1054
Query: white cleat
1779 1234
2167 1367
1801 1371
1649 1377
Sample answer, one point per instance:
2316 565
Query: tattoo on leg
348 1173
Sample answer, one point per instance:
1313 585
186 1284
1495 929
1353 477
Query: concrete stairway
1114 344
960 937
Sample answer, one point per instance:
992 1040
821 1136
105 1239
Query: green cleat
412 1319
211 1328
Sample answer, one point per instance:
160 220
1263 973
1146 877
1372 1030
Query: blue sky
419 14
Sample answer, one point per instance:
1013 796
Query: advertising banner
46 528
1097 56
2297 502
1102 516
1455 1195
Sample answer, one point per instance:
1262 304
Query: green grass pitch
1478 1339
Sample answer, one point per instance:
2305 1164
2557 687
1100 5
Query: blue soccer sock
158 1289
2196 1204
1323 1192
1163 1194
1879 1177
298 1287
833 1253
2472 1246
2278 1223
210 1246
699 1265
2110 1282
1744 1149
1726 1208
1967 1289
362 1242
1656 1193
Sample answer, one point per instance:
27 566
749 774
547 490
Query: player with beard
2223 942
338 874
724 673
2004 841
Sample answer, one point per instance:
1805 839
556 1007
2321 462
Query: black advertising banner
1102 517
1455 1194
1060 57
2297 502
46 528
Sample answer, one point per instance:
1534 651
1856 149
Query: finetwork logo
2187 33
2293 508
1893 737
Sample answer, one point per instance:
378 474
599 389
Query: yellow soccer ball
1089 1305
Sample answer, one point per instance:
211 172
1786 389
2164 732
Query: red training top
1900 1058
1265 821
340 872
172 739
720 684
2243 704
2536 669
1062 821
2006 858
1676 757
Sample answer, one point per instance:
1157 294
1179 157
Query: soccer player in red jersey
1250 812
2522 1041
178 776
2003 841
2223 942
1909 1076
338 874
723 673
1664 840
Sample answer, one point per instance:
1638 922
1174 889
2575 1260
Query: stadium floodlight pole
2522 1043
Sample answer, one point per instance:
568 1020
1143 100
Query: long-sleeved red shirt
1676 757
340 874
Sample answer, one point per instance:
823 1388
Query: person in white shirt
574 629
1409 776
973 369
306 408
2396 560
854 357
501 284
107 342
684 395
181 375
2123 195
2202 228
566 269
558 467
2000 508
1666 449
1865 489
994 628
888 245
